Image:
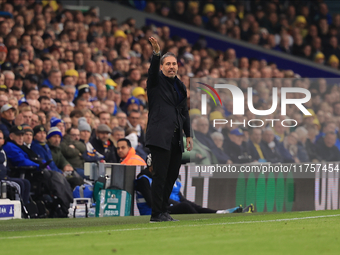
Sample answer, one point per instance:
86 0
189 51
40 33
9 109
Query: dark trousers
25 188
166 164
188 207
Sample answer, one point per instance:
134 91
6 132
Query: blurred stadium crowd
69 74
300 28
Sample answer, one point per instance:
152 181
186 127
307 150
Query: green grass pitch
315 232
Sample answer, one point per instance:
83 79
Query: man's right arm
153 71
155 61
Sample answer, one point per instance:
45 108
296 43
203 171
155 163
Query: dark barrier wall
268 194
282 63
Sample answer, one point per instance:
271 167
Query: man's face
121 119
34 120
101 92
122 149
13 56
268 136
293 138
17 94
134 118
126 94
74 120
96 107
3 56
256 136
61 127
19 139
203 126
2 140
39 66
104 119
27 116
75 134
133 107
45 105
237 139
40 136
9 80
79 59
330 139
118 135
85 135
34 94
103 136
82 78
28 137
169 67
8 115
55 79
81 105
3 100
55 140
45 92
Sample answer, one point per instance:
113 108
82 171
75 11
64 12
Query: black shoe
160 218
169 217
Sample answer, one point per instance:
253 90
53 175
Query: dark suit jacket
270 155
327 153
252 151
165 112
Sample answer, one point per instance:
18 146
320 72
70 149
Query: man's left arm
187 128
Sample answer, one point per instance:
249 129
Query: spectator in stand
127 154
25 185
234 147
53 141
202 135
102 144
326 148
272 21
7 119
254 145
133 122
73 150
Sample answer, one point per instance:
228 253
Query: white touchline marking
175 226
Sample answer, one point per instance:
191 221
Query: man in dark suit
168 116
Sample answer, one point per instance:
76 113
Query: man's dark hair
68 131
102 112
79 99
14 88
75 113
117 129
126 140
53 71
65 77
21 38
29 90
43 98
168 54
46 59
132 111
41 87
58 88
12 48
